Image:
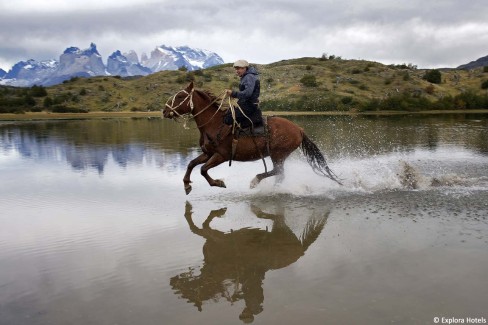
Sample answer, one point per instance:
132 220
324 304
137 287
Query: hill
481 62
305 84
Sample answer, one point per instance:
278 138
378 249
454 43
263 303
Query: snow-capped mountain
126 64
30 72
75 62
81 62
171 58
2 73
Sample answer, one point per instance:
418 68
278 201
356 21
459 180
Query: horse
235 263
283 137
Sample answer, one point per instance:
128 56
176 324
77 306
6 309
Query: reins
190 115
189 97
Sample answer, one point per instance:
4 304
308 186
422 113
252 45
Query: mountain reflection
88 145
235 263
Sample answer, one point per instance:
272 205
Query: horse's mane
211 97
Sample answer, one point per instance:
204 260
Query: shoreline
104 115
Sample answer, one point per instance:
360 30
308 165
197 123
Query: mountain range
75 62
481 62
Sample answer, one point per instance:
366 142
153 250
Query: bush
323 57
67 109
38 91
484 84
309 81
472 100
430 89
207 77
48 102
434 76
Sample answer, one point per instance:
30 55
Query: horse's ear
190 86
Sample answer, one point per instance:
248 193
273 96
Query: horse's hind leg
277 170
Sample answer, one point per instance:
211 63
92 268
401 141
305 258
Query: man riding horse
247 113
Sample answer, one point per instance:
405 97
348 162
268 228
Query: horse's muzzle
167 113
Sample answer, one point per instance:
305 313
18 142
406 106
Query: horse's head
180 103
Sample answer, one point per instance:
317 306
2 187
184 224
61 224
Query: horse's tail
316 159
312 230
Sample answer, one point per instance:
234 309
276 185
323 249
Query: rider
247 96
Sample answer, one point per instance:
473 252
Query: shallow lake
95 226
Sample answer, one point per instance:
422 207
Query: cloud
425 33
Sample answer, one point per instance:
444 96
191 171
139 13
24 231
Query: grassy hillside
306 84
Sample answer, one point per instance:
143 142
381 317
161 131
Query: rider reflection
235 263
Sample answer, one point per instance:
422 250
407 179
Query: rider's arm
248 82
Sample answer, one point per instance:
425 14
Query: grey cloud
251 27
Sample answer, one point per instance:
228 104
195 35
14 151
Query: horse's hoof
187 189
220 183
254 182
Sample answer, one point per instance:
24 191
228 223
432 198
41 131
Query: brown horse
235 263
216 139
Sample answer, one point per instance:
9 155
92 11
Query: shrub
430 89
38 91
309 81
484 84
207 77
67 109
434 76
346 100
48 102
406 76
323 57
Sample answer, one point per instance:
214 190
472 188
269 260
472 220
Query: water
96 227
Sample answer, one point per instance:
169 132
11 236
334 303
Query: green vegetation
309 81
433 76
484 84
328 83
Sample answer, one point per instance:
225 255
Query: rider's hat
241 64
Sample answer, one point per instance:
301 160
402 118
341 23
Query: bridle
172 107
189 97
187 116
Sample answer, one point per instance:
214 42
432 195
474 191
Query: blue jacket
249 88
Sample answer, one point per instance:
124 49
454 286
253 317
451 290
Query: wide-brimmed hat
241 64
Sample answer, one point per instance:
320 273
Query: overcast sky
427 33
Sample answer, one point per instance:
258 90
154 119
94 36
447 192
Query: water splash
417 170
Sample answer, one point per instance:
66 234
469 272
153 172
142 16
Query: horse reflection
235 263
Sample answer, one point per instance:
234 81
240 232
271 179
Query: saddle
253 132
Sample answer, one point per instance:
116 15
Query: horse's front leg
197 161
214 161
